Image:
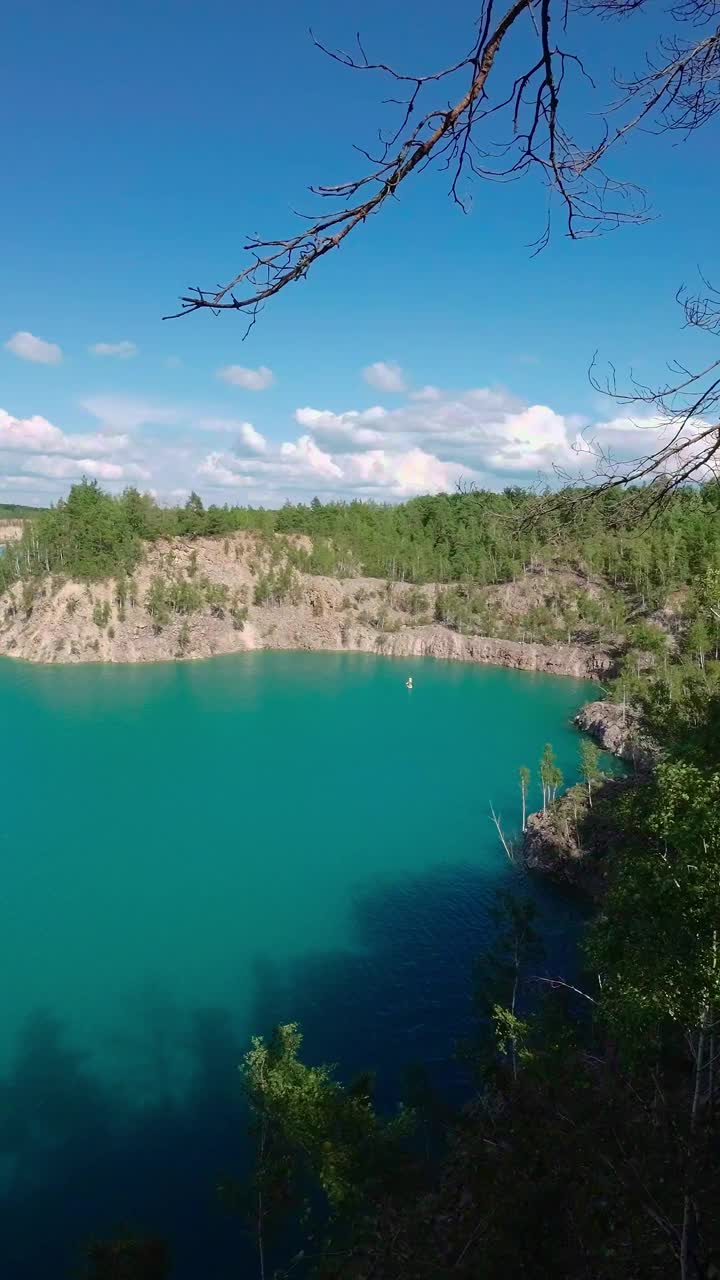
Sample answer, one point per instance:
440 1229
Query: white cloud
343 432
74 468
28 347
251 379
219 470
219 424
121 349
424 446
252 439
484 429
630 434
531 441
626 440
37 435
124 413
484 435
426 393
248 439
305 452
51 459
403 474
385 376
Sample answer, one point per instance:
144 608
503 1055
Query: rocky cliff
54 620
571 842
616 729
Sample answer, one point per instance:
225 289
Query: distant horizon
527 490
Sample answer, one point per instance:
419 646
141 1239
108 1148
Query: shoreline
438 642
232 604
18 659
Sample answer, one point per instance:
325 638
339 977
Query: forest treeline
16 511
479 536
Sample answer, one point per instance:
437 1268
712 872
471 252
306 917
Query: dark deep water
195 851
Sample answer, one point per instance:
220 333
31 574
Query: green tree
157 603
656 950
501 975
708 594
28 597
671 862
191 520
101 613
183 639
550 776
415 602
183 597
698 642
128 1258
590 771
216 596
121 589
309 1128
524 775
646 637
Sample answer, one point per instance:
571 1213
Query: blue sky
141 142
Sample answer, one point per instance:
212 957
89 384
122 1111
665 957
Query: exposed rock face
440 642
551 848
570 843
10 531
617 730
354 614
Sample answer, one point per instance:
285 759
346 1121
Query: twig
506 844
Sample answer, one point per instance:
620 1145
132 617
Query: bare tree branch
506 844
454 119
277 263
679 90
682 414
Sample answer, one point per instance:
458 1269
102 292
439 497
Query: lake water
194 851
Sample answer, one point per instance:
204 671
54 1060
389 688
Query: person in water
408 683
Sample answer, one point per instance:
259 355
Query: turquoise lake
194 851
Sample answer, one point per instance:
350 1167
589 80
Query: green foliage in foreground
588 1149
310 1128
657 941
130 1257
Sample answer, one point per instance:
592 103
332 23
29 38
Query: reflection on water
193 852
84 1156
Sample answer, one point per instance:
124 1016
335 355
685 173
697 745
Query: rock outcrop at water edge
616 728
570 843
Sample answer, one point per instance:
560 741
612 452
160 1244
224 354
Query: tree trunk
689 1264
